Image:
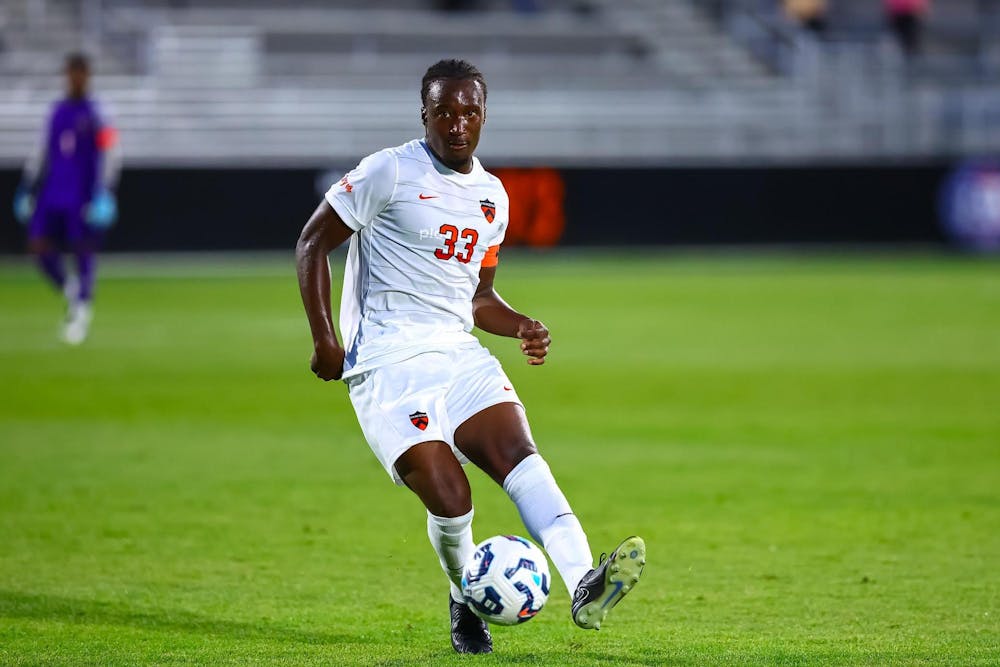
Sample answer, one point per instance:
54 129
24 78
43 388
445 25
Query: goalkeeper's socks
51 264
86 266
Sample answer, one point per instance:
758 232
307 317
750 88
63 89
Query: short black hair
450 68
78 60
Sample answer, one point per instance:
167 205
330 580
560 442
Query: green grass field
810 446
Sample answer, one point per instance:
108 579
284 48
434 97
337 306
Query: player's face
76 81
453 115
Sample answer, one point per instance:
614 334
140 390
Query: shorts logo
419 419
489 209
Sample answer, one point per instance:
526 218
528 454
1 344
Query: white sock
547 516
451 538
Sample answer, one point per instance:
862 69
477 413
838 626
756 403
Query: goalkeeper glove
103 209
24 204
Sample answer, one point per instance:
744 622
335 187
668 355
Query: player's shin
451 538
51 264
548 517
86 261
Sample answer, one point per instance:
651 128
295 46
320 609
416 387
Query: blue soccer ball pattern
506 581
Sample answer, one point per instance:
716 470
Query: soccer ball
506 581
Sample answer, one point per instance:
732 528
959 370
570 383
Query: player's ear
423 116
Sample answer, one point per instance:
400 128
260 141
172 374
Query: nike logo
506 388
423 196
618 587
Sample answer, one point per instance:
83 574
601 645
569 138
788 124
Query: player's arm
35 163
24 200
111 156
324 232
492 314
102 211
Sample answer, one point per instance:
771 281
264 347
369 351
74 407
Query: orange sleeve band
492 256
106 138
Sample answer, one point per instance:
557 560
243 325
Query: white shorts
425 398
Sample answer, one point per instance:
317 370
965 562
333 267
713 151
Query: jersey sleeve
34 166
107 133
108 147
365 191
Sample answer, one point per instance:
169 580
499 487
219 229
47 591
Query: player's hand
24 205
328 362
535 340
103 209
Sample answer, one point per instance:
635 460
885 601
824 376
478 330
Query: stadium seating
610 81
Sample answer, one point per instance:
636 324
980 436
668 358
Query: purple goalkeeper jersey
72 154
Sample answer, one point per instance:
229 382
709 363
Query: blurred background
803 425
698 122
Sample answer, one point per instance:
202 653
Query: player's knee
504 455
456 504
81 246
38 246
520 451
450 495
441 485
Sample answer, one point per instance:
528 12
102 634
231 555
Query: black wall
223 209
196 209
753 205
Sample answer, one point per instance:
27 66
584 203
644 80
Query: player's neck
464 167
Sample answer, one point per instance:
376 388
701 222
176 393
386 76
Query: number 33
451 237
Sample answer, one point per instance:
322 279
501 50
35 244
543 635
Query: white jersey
423 232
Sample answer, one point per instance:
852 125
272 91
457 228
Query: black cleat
604 586
469 633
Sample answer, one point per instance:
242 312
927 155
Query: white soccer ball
506 581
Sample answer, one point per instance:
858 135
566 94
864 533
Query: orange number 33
451 238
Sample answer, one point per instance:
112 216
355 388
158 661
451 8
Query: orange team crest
489 209
420 420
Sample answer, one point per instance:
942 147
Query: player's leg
85 252
44 230
498 440
433 473
83 242
49 261
399 409
494 434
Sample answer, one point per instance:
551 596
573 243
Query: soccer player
425 223
67 197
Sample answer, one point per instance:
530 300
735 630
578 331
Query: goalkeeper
66 197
